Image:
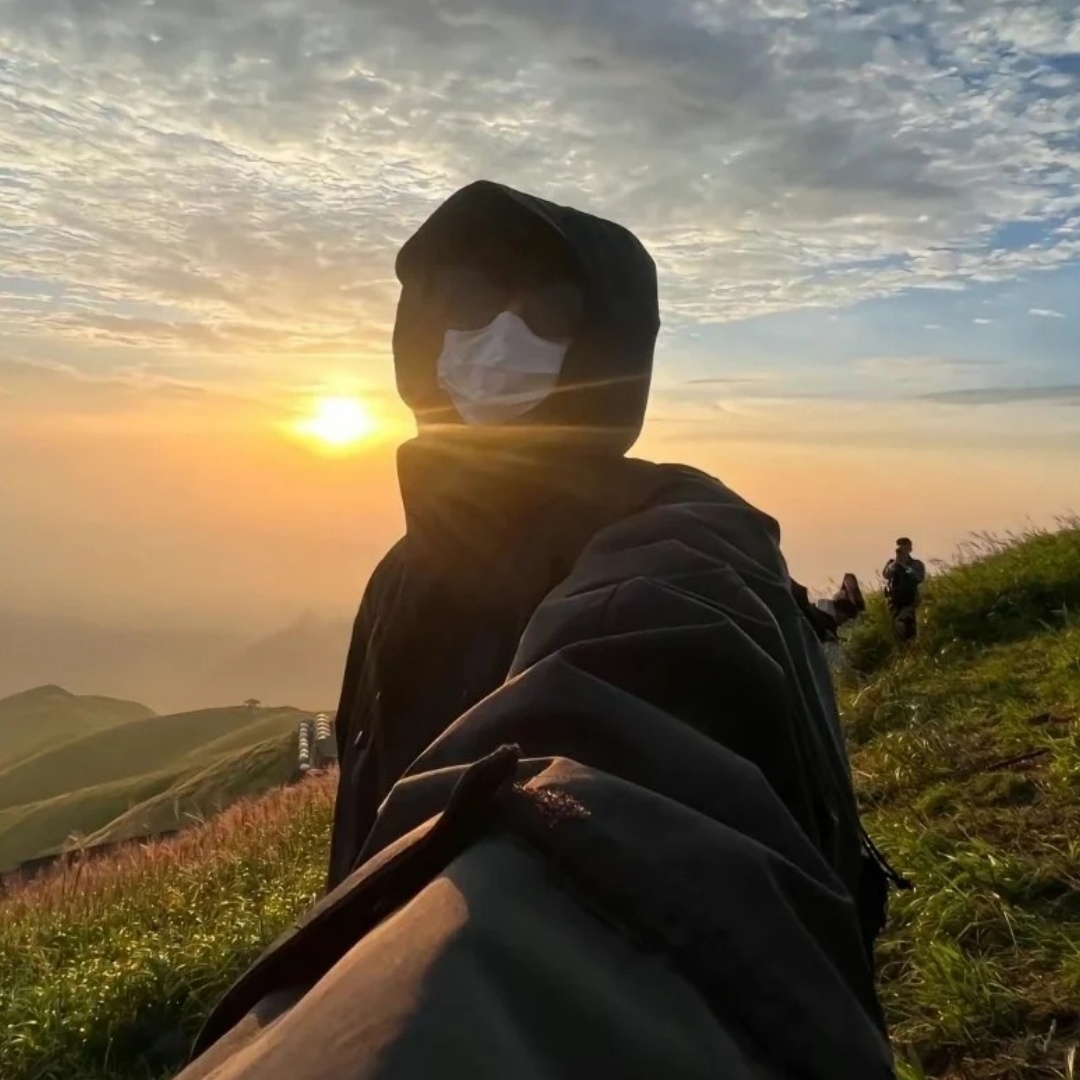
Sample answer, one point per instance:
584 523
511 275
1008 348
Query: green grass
966 754
110 966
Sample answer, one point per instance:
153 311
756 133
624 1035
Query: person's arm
636 858
917 569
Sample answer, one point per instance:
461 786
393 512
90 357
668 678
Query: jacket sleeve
354 665
350 733
633 859
354 804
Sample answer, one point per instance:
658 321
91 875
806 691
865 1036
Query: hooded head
526 318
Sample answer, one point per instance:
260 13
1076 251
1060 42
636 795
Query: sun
338 422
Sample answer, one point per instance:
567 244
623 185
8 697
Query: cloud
56 383
36 397
56 401
1064 395
721 380
899 373
1046 313
939 423
220 177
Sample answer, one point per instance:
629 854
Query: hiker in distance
617 834
904 574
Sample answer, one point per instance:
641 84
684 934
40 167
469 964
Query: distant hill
175 670
155 743
302 663
106 770
36 719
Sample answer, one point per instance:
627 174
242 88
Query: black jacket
636 858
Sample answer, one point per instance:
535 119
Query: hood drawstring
894 876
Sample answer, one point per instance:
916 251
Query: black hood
604 386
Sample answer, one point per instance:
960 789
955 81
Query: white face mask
499 372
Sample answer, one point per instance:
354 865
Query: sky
865 215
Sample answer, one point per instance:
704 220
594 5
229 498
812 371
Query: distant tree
253 703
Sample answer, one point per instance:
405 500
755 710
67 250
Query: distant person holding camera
903 575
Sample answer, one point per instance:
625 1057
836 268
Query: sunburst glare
337 422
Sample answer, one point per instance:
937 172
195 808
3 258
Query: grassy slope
966 752
208 791
35 719
980 965
268 724
144 805
136 778
125 751
39 827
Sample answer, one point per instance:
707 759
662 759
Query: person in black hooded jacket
524 346
595 815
